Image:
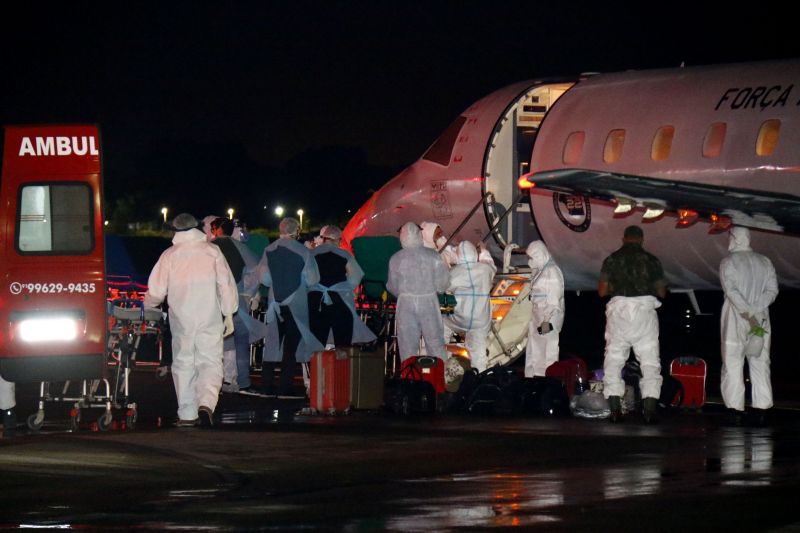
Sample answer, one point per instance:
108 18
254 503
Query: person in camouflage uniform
633 278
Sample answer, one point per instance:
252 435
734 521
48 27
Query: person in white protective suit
331 302
750 285
416 275
471 285
547 318
633 278
202 300
288 270
8 402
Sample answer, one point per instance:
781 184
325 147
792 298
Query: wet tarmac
263 469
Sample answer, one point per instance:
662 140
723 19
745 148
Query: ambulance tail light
33 328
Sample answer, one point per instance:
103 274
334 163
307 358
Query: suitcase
367 373
691 372
406 396
425 368
330 382
573 373
544 396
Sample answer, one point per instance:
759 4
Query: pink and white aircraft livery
686 152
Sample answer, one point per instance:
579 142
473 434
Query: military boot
649 410
615 404
9 423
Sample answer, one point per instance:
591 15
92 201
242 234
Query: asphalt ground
264 467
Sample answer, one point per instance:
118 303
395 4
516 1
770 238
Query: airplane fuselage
716 142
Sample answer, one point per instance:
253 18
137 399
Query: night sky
207 105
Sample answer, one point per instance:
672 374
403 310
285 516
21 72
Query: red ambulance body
52 264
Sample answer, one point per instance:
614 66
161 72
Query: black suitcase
406 396
494 392
543 396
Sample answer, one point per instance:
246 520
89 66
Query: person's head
633 235
184 222
331 234
222 227
739 239
432 235
466 253
207 226
410 236
538 255
289 228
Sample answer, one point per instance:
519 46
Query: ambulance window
612 150
441 150
662 143
55 219
573 147
768 137
715 139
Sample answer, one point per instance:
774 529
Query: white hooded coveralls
201 289
416 275
547 295
750 285
471 284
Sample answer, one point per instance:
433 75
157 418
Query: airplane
685 152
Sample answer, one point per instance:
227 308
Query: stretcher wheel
104 422
130 419
75 419
35 421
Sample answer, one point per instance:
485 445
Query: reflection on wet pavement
266 467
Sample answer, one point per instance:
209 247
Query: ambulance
52 264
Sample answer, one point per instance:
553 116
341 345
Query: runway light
624 206
686 217
719 224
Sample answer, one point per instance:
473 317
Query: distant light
164 213
105 223
230 213
279 211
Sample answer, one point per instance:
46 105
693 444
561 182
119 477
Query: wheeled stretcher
128 323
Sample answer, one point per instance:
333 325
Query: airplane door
508 157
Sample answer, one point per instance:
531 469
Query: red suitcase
573 373
330 382
691 372
425 368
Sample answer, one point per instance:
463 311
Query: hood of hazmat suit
547 286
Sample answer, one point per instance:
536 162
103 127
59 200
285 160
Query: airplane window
612 150
768 137
441 150
662 143
573 147
715 138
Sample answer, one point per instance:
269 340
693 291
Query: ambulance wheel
130 419
35 421
104 422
